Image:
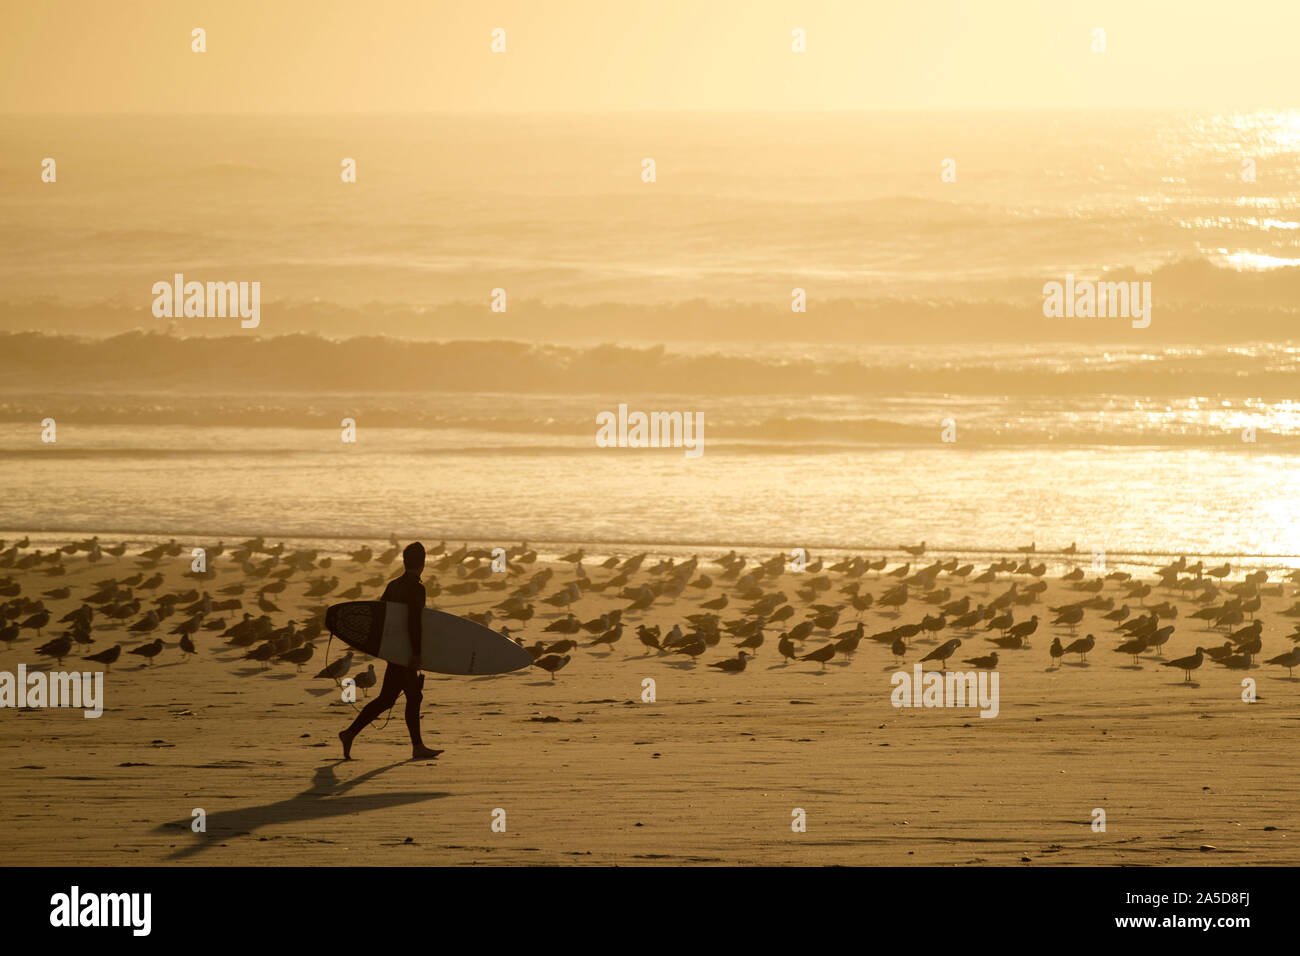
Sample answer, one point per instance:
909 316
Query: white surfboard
449 644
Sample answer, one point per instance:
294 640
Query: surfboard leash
351 703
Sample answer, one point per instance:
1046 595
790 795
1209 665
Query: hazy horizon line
1128 108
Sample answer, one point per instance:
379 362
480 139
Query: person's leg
414 695
388 692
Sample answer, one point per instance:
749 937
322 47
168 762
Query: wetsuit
399 679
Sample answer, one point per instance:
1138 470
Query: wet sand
709 773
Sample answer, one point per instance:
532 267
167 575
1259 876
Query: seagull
610 637
1188 664
298 655
1289 660
984 663
821 655
337 669
1220 654
1133 647
1069 616
565 625
262 653
107 658
1056 650
149 651
1247 633
549 663
1081 647
732 665
1024 628
366 679
37 620
755 640
57 648
849 640
943 652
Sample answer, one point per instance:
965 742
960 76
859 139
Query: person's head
413 557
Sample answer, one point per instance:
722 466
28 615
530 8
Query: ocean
824 429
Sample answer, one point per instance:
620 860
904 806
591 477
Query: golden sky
403 55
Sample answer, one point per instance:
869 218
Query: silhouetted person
398 680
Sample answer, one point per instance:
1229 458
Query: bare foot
347 744
424 753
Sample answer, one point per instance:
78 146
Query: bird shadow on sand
1183 683
321 800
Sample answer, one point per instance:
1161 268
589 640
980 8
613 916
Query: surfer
398 679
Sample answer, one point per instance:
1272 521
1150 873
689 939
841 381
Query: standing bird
754 641
610 637
37 620
298 655
107 658
149 651
943 652
786 647
57 648
551 663
1023 629
1069 616
338 668
366 679
1057 651
1289 660
1188 664
261 653
1133 647
1081 647
821 655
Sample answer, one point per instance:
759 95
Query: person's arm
415 622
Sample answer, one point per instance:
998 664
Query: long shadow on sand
320 800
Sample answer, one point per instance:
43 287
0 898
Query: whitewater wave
251 370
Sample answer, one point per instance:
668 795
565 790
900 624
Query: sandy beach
710 772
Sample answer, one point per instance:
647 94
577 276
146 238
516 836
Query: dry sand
710 773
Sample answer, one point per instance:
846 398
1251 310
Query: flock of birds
736 603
